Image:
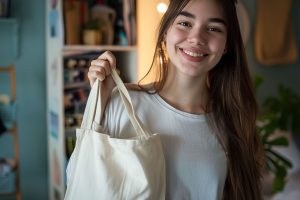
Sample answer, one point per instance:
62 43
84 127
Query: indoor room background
25 42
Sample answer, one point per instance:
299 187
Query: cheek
218 45
174 35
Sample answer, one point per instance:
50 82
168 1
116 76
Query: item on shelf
106 17
7 166
7 111
70 121
70 145
74 76
73 120
68 100
129 16
75 15
92 37
4 8
120 36
92 34
82 63
75 96
70 63
76 62
8 183
2 127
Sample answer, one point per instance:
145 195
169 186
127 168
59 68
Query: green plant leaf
279 141
270 124
278 183
257 82
273 165
287 106
280 158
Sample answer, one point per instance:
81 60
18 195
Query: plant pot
92 37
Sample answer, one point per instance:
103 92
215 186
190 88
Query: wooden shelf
8 193
73 85
79 49
10 70
8 20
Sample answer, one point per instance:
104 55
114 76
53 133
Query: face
196 40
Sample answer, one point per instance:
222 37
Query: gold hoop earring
164 52
161 59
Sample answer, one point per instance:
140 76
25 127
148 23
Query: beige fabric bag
108 168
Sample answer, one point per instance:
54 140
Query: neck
186 93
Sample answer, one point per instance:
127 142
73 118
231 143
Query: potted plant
92 34
281 112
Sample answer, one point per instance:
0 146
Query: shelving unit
12 129
67 91
10 26
86 48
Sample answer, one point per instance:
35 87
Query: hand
101 67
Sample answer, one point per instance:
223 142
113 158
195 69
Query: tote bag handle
93 111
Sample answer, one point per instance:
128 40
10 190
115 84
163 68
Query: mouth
193 55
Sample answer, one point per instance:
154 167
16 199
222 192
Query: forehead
204 8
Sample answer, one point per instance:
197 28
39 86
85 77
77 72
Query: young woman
201 103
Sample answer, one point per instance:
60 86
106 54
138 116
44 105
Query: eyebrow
190 15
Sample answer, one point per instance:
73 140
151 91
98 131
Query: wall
147 21
31 96
287 75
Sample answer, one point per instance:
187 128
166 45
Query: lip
191 58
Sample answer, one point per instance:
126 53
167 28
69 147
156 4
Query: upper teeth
193 53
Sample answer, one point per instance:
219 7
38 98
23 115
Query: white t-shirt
196 165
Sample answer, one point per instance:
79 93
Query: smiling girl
201 102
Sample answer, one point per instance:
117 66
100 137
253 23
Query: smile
193 54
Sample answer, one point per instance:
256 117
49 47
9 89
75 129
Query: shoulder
135 87
136 92
141 100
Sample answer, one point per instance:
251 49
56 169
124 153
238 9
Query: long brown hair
232 102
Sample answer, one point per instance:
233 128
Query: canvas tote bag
108 168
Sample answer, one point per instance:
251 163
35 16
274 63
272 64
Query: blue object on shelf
8 114
7 183
4 8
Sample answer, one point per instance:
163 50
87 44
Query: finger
107 69
107 55
100 62
93 75
96 70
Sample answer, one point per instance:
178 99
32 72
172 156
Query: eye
214 29
185 24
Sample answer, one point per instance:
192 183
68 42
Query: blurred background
45 50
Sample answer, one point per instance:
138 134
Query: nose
197 37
